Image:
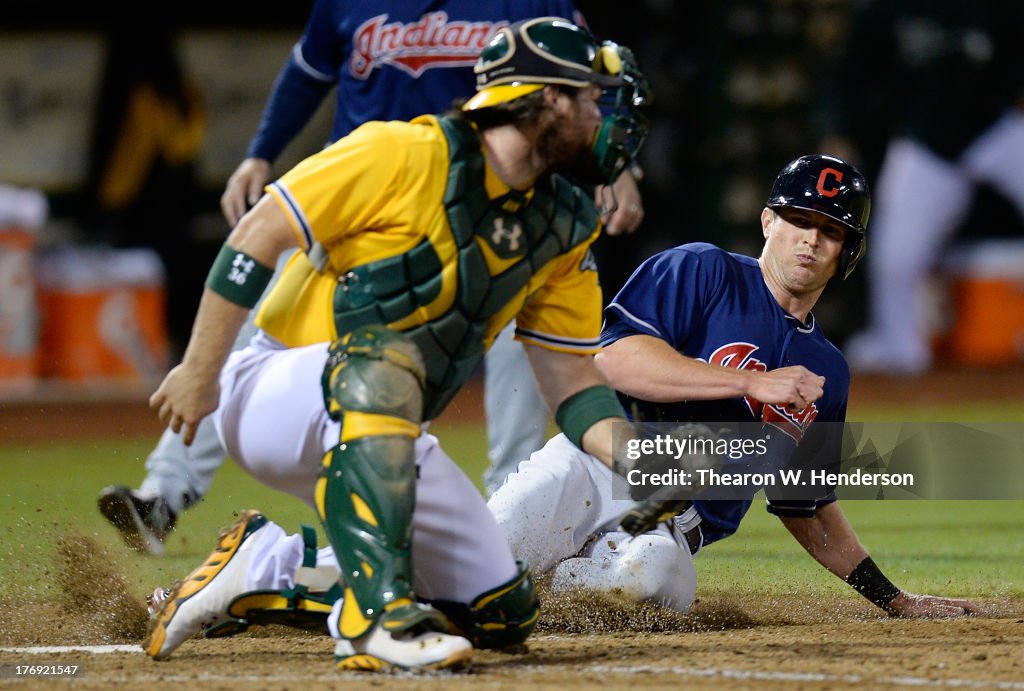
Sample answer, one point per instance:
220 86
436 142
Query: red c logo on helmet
823 178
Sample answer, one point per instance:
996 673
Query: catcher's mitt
661 504
649 513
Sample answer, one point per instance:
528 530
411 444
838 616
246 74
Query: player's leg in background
920 200
995 157
177 476
517 416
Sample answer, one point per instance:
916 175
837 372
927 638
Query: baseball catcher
419 241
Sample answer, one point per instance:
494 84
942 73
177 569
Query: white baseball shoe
396 651
202 599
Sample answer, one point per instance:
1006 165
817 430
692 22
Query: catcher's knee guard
373 383
502 616
375 371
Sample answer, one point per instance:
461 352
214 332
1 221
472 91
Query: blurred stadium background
737 83
737 86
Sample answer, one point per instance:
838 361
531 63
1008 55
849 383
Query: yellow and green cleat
202 600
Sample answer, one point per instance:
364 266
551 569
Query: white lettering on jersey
741 356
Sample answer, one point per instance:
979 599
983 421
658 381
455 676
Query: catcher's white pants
273 423
560 515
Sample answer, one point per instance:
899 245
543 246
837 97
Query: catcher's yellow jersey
377 198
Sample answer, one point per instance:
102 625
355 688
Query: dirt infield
794 644
582 639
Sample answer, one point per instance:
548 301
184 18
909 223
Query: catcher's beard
569 149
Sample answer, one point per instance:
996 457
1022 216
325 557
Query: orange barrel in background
986 291
103 314
22 213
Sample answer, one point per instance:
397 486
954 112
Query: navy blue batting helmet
832 187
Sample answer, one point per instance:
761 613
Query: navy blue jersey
388 61
714 306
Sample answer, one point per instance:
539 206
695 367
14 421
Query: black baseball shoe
144 522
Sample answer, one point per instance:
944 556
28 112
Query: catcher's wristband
583 409
868 580
237 277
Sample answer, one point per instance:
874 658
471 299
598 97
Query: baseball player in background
387 61
700 334
939 148
419 241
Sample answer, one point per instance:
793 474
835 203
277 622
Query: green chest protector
557 219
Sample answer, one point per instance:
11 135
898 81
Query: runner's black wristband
868 580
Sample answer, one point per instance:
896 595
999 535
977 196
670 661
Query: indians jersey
388 61
372 216
714 306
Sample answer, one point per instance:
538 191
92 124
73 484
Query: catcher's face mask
623 127
525 56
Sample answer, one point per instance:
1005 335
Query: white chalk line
57 649
711 672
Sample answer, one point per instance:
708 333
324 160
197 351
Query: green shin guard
367 499
373 383
500 617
